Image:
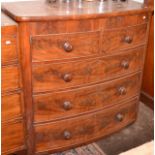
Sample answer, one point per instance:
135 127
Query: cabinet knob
67 135
67 105
119 117
67 77
67 47
125 64
128 39
144 17
122 90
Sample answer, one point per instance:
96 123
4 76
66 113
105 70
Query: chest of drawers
13 137
81 68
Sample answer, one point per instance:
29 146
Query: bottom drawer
79 130
12 137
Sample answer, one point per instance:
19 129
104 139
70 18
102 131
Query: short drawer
78 130
63 104
64 46
125 21
11 106
54 76
10 78
9 49
12 137
119 39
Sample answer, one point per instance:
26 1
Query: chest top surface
43 10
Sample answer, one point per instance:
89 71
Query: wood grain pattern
11 106
12 137
10 78
53 76
64 104
9 53
52 47
82 129
116 39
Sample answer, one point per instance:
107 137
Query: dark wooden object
81 69
13 135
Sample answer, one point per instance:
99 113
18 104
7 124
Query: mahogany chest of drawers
82 66
12 93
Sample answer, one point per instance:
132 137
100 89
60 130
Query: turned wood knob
122 90
128 39
67 47
67 105
67 135
8 42
119 117
125 64
67 77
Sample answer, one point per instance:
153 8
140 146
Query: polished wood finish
69 103
84 128
13 135
81 69
54 76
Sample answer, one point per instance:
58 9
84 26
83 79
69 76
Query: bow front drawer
82 129
64 46
63 104
54 76
119 39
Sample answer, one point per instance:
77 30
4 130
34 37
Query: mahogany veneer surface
82 66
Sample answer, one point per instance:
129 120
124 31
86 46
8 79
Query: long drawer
53 76
69 132
11 106
63 104
10 78
64 46
12 136
119 39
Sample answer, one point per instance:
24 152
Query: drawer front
9 49
62 104
11 106
64 46
12 136
122 21
78 130
10 78
125 38
53 76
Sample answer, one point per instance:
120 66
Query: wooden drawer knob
67 47
128 39
119 117
67 135
67 105
125 64
122 90
67 77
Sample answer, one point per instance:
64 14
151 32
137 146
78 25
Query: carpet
91 149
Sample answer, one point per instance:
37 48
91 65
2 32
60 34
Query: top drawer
64 46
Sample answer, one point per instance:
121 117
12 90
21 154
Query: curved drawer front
55 76
62 104
12 137
124 38
64 46
78 130
10 78
11 106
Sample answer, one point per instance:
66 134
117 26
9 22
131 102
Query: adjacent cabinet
71 72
